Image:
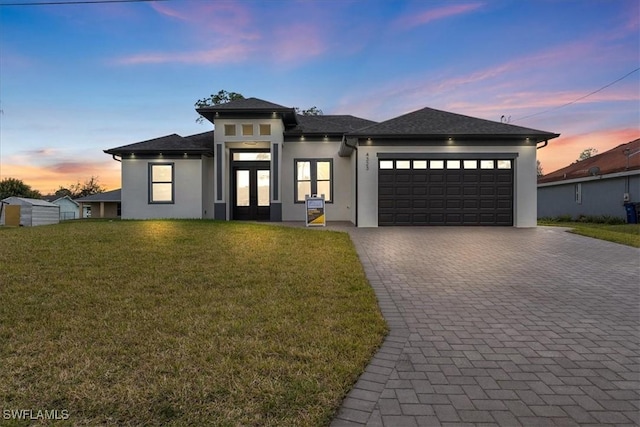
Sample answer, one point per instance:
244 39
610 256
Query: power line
581 98
54 3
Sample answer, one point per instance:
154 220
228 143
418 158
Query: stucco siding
341 207
525 197
207 187
598 197
187 189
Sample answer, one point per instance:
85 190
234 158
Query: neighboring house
101 205
599 185
28 212
427 167
69 209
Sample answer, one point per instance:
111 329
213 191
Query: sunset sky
78 79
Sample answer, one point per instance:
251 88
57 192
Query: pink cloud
417 19
223 55
297 42
521 104
232 19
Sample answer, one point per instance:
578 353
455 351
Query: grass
182 322
626 234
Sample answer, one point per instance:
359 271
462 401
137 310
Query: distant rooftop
624 157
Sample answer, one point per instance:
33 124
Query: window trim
313 175
172 182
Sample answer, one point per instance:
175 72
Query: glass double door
251 195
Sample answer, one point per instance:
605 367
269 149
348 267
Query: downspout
114 158
355 148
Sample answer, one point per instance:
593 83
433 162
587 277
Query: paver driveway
499 326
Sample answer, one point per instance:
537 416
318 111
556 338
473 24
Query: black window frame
172 182
313 174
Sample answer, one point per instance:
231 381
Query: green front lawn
626 234
182 322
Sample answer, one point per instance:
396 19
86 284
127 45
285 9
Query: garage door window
386 164
504 164
453 164
419 164
470 164
486 164
436 164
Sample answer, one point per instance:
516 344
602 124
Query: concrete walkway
499 326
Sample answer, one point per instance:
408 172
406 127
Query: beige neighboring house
101 205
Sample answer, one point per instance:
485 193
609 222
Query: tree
313 111
586 153
89 187
222 97
539 168
14 187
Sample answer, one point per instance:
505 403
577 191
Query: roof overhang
287 115
352 140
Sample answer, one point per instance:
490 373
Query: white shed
32 211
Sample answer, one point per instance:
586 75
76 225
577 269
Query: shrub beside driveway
182 322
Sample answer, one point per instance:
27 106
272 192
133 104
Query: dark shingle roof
612 161
201 143
107 196
430 122
328 124
246 104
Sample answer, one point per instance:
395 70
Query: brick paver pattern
499 326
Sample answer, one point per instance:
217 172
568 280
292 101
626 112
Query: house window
313 176
265 129
161 179
247 130
578 193
229 130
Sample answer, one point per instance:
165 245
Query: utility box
632 212
314 210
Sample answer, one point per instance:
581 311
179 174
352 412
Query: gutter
114 158
546 142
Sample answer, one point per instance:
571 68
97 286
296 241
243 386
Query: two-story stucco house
427 167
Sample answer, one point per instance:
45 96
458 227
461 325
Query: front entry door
251 192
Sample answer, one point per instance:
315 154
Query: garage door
445 192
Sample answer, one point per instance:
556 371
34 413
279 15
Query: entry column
276 202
